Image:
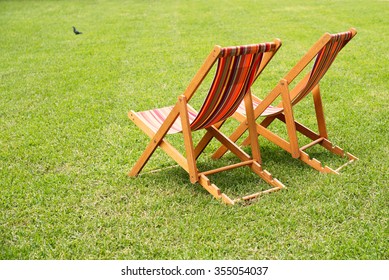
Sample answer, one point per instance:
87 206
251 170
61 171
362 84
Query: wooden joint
351 157
131 115
284 82
193 179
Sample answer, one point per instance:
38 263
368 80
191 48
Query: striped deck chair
237 68
325 51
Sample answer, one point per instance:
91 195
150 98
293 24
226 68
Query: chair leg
265 123
289 120
143 159
319 112
188 141
253 135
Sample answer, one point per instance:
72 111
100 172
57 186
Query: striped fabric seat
155 118
235 73
271 110
323 61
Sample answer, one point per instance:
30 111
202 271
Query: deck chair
324 52
237 68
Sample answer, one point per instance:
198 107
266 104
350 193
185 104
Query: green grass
66 143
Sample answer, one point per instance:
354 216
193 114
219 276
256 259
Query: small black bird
76 31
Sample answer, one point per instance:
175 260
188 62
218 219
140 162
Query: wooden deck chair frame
183 111
330 43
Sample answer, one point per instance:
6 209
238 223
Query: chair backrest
331 45
236 71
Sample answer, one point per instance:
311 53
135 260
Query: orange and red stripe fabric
235 73
323 61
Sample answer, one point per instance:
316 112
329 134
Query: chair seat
154 119
271 110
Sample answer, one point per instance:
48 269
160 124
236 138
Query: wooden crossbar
255 195
312 143
224 168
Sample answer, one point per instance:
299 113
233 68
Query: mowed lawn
66 143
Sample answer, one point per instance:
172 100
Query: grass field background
66 144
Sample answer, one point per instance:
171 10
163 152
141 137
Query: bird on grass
76 31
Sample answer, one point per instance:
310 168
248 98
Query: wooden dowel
224 168
312 143
347 163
